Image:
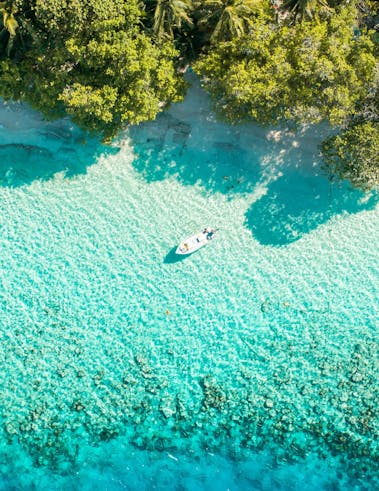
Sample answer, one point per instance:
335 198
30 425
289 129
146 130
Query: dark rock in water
77 405
265 306
269 403
42 151
226 146
128 381
98 377
11 429
143 365
61 372
181 411
167 411
214 396
182 127
107 434
58 133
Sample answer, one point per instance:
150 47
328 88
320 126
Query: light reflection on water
265 340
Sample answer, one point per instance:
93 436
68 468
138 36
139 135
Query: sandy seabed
252 364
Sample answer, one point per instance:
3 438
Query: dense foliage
91 59
108 63
310 64
306 72
354 155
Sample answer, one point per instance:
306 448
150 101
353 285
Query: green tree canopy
354 154
306 72
8 26
229 19
91 60
171 14
305 8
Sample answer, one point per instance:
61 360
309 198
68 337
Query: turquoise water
252 364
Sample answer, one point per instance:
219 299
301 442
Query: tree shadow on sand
295 205
53 150
296 202
165 148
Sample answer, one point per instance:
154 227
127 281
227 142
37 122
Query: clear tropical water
252 364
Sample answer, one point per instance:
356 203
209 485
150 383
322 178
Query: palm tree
302 8
171 14
10 24
231 18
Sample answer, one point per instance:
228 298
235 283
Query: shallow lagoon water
252 364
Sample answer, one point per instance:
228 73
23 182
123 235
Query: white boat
196 241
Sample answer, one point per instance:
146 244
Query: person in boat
210 233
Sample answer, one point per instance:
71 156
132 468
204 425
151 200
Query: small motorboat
196 241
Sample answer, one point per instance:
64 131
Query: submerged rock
214 396
356 377
167 412
269 403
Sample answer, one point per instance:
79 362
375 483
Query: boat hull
195 242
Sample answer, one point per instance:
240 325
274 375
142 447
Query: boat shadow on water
172 257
